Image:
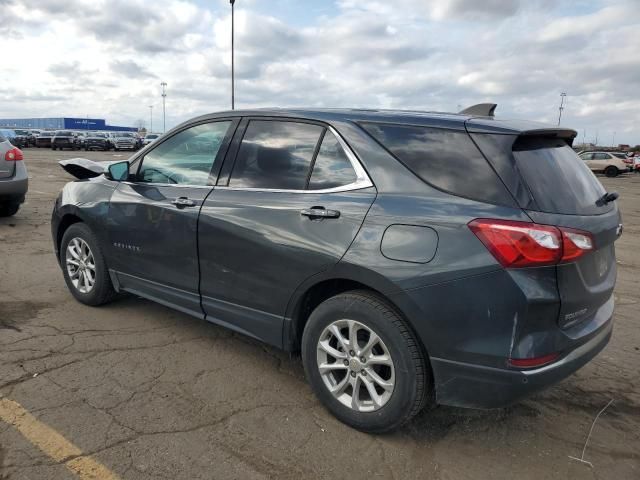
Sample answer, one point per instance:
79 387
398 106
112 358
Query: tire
611 171
102 290
408 379
53 148
9 209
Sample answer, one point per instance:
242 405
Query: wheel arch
333 282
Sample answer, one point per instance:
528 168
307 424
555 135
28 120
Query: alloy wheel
81 265
355 365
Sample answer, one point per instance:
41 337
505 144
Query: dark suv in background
65 139
411 257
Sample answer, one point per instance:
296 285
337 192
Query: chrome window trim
362 179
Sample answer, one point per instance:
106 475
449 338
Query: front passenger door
294 201
153 218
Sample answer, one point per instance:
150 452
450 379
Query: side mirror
118 171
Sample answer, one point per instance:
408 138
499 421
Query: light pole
151 118
562 95
164 96
613 141
232 59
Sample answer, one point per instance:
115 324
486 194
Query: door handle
319 212
182 202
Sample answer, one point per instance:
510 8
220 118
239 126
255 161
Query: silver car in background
126 141
13 178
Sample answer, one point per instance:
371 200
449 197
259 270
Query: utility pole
151 118
562 95
233 103
613 141
164 96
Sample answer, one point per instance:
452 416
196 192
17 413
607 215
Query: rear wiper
606 198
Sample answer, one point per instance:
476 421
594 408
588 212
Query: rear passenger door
289 201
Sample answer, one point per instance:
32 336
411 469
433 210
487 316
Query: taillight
575 243
523 244
13 155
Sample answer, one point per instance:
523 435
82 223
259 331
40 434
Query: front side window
332 167
601 156
186 157
275 155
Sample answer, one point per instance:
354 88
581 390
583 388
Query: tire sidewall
353 307
102 283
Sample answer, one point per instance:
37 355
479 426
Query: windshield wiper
606 198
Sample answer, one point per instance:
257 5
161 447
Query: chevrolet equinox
413 258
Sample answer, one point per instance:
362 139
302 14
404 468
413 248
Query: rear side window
446 159
558 179
332 167
275 155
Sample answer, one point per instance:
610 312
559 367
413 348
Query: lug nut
352 353
346 363
353 374
362 359
364 373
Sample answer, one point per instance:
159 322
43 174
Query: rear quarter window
446 159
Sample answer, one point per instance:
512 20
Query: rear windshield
63 133
558 179
446 159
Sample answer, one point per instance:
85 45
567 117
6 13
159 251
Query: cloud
130 69
107 58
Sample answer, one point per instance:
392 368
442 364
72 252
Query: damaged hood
84 168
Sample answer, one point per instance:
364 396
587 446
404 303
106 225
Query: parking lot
146 392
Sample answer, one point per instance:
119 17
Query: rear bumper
14 189
475 386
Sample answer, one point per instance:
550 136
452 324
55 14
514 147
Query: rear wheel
9 209
84 267
611 171
364 363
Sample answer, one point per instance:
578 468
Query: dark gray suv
413 258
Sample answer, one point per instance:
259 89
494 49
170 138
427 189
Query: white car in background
610 163
149 138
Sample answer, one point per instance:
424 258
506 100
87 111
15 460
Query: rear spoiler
519 128
83 168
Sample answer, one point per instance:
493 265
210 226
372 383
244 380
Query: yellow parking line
52 443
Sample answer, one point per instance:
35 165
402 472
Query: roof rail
480 110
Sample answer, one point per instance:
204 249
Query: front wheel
84 267
364 363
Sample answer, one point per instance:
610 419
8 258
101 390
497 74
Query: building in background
63 123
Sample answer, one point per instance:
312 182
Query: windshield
152 136
22 132
558 179
63 133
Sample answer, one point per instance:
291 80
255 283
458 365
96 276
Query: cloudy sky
106 58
